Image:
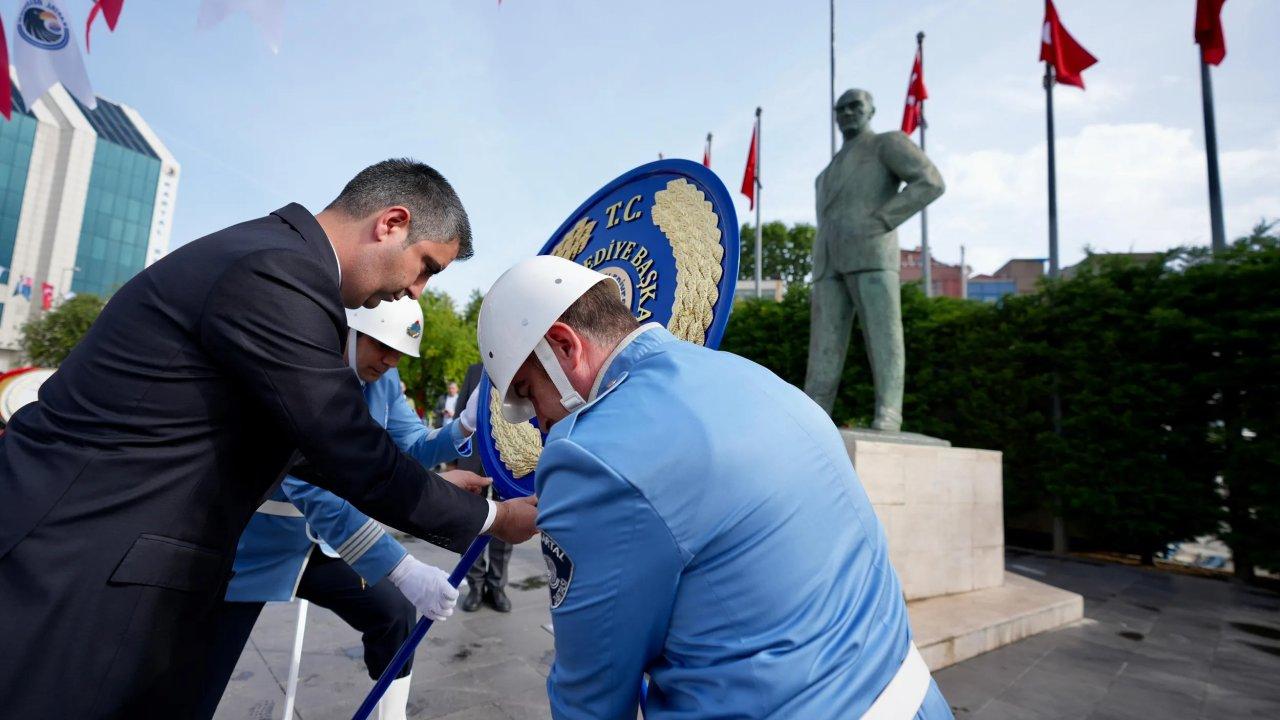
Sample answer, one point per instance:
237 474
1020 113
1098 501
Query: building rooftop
112 125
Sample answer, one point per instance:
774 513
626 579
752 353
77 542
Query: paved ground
481 665
1153 646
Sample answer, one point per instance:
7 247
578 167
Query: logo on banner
666 235
43 25
559 570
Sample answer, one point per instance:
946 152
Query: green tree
448 348
471 313
48 340
786 252
1168 375
1225 326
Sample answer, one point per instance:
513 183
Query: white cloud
1121 187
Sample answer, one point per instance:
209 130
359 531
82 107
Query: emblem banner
667 234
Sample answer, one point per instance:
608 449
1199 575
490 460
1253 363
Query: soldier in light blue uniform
288 548
701 522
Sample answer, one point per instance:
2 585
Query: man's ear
392 225
564 342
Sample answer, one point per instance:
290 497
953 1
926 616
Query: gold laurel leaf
573 242
687 219
519 444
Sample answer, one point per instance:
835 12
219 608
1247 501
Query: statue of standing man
871 186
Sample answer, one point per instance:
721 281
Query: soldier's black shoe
498 600
471 602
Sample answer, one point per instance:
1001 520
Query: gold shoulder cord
686 218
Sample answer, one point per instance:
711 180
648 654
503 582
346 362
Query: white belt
902 697
279 507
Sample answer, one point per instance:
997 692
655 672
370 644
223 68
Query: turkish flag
749 174
110 9
1057 46
46 296
6 85
706 157
1213 44
916 94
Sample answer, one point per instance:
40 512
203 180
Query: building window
117 221
17 137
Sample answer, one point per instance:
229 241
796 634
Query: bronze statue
871 186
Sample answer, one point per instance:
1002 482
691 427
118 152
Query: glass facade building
86 202
991 290
118 208
16 139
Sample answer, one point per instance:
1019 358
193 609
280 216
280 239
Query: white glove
468 416
426 586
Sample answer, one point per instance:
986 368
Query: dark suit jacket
123 491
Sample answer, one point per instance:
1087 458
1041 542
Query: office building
86 201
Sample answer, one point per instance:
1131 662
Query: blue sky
529 106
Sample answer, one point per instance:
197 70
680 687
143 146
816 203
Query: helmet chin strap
569 398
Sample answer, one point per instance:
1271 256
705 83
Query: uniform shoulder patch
559 569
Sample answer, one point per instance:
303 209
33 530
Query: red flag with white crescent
916 94
1069 58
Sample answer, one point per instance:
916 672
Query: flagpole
708 149
1059 523
759 231
1053 170
1211 151
925 257
831 106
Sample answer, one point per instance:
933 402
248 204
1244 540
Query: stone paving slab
475 665
1152 645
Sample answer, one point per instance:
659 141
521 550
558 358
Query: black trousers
380 612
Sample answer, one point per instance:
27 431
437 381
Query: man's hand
467 480
468 416
426 586
515 521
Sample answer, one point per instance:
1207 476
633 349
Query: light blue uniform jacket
273 548
702 523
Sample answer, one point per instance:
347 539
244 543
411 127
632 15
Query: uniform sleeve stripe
370 527
359 552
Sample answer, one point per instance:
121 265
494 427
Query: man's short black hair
600 314
436 213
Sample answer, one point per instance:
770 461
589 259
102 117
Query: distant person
701 522
487 579
369 580
447 405
404 390
123 490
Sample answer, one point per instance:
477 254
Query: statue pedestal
942 511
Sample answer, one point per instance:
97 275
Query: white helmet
394 323
516 314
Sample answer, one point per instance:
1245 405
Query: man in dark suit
487 579
124 489
447 407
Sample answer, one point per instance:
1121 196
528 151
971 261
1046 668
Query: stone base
940 507
952 628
